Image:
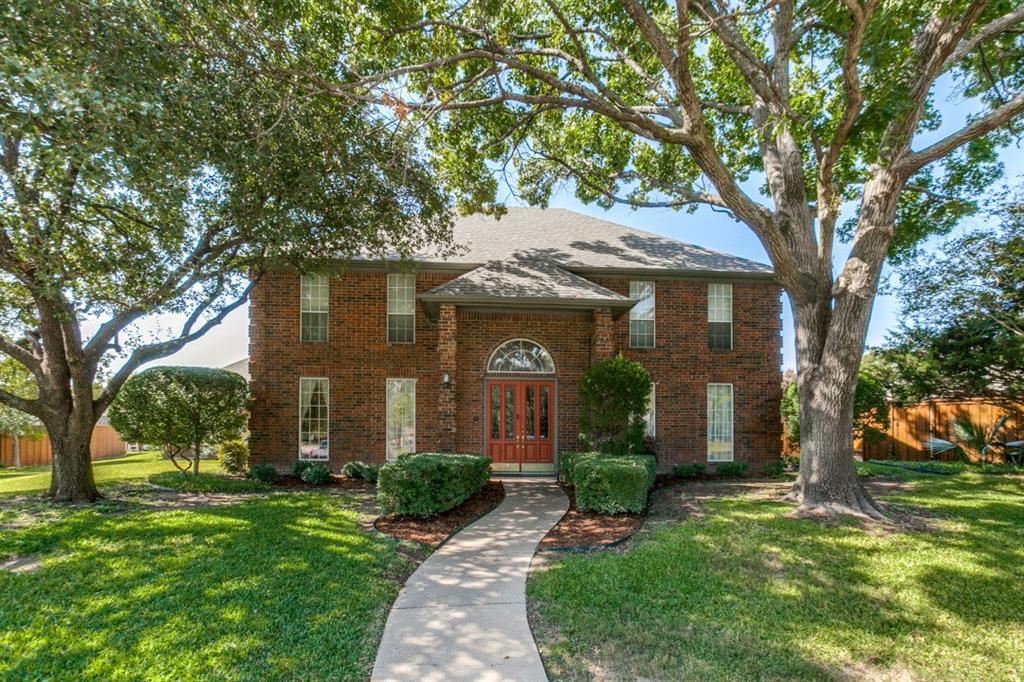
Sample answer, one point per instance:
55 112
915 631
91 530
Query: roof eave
432 303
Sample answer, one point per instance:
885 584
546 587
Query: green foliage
614 395
611 485
731 469
299 467
15 379
234 456
265 473
568 463
317 474
366 472
426 484
207 483
689 470
774 468
178 407
870 408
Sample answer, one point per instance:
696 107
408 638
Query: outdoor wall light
446 380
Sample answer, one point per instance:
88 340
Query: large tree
141 176
783 114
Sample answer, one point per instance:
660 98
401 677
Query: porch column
602 343
447 341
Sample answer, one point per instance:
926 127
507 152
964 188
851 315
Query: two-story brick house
483 351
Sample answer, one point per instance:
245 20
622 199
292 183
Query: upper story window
641 315
401 308
720 316
314 305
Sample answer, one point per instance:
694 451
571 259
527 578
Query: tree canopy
181 407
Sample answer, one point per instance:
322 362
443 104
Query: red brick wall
357 359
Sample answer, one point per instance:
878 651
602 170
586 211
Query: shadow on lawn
744 592
280 588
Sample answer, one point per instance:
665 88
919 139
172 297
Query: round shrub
361 470
731 469
692 470
264 473
611 485
317 474
614 395
300 467
234 456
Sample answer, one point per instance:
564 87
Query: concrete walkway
462 614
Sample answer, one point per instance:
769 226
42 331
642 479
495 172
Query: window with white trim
720 423
314 305
720 316
641 315
314 418
401 308
650 429
401 417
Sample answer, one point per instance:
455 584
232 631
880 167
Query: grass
892 468
745 592
132 467
207 483
276 588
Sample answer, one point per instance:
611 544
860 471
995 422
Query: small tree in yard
614 395
15 379
180 408
143 175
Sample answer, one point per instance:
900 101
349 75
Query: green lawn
136 466
745 593
285 587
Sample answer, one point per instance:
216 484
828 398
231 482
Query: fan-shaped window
520 356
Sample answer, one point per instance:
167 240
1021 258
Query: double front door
521 424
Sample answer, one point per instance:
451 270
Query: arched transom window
520 356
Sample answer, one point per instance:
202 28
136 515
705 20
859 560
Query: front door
521 424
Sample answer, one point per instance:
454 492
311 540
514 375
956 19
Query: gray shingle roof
582 243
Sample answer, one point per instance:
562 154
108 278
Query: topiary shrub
317 474
690 470
614 396
300 466
264 473
731 469
569 461
362 470
426 484
234 456
611 485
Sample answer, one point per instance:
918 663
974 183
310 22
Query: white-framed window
401 308
314 418
641 315
650 419
314 305
720 316
720 423
401 417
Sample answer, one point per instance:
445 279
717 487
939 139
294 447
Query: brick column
447 341
602 343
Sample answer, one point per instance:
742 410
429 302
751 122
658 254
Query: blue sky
229 342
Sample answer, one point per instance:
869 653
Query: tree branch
994 27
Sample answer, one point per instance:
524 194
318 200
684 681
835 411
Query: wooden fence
910 426
105 443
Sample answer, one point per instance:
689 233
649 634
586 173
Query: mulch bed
582 530
296 483
435 530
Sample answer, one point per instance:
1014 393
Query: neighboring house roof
239 367
521 282
582 243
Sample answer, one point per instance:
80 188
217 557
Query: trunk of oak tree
15 450
70 434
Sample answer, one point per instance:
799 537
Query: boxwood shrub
430 483
611 485
316 474
569 461
362 470
690 470
263 472
731 469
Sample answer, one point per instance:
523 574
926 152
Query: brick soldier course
566 293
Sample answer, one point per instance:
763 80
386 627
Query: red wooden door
521 424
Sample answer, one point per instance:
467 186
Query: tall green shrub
614 395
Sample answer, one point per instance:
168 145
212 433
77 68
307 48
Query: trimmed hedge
568 462
611 485
430 483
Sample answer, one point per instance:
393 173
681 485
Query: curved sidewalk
462 614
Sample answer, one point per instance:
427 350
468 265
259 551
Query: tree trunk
196 449
71 477
15 450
